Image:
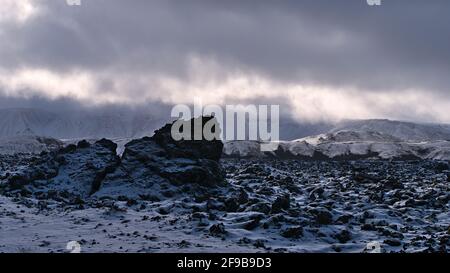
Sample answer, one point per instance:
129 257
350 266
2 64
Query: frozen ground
267 206
30 229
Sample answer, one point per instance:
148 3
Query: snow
439 150
29 230
242 148
300 148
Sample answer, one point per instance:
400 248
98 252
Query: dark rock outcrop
148 165
78 171
151 161
322 216
194 149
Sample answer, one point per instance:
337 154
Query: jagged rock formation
76 170
149 165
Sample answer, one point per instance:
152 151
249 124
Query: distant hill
406 131
382 139
22 129
70 125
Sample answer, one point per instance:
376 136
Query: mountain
381 139
22 129
28 144
406 131
74 125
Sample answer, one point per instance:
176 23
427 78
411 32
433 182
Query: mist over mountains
113 123
71 124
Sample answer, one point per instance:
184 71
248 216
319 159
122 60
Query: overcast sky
321 60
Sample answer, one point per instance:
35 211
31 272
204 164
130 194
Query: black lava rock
292 232
393 242
344 236
96 169
191 148
281 203
323 216
217 230
231 205
83 144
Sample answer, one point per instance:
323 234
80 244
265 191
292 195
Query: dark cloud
402 44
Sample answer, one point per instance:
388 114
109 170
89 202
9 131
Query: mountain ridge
372 138
70 124
359 139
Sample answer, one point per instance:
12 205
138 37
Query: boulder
292 232
322 216
281 203
217 230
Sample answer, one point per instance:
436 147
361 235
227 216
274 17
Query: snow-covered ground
25 229
267 206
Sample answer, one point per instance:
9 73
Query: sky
319 60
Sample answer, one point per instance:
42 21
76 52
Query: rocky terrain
358 139
343 145
147 165
166 196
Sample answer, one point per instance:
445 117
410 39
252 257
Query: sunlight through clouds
18 10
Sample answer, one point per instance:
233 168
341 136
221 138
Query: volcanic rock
148 165
292 232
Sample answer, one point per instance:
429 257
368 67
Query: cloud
317 103
324 60
17 11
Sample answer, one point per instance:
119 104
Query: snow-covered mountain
28 144
383 139
71 125
406 131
